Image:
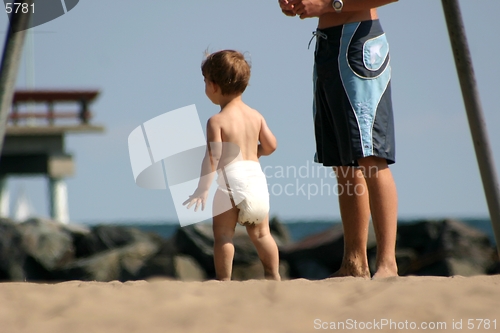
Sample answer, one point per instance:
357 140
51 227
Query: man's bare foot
350 268
385 271
272 276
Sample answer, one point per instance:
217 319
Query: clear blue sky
145 58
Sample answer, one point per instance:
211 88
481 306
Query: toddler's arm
268 143
210 161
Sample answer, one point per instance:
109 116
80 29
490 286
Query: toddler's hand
199 197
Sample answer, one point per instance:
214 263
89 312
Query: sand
388 305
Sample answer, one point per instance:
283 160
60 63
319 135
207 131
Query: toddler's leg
266 248
223 228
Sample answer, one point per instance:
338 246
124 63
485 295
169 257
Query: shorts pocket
375 52
369 58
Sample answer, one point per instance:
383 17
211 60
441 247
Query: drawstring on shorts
317 34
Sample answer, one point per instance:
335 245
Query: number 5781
16 6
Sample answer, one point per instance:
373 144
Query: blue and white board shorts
352 94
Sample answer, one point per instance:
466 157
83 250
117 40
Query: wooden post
4 197
50 112
474 111
15 113
12 52
84 112
58 197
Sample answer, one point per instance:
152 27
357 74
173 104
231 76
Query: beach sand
252 306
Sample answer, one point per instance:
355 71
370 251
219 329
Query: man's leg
355 214
223 228
384 208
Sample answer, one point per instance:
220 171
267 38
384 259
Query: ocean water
299 229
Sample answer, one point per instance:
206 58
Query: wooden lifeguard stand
34 140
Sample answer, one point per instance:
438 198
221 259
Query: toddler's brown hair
228 69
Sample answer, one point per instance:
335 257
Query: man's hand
310 8
286 8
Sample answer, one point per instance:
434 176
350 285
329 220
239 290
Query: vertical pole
474 111
58 200
4 197
50 112
15 113
11 57
84 112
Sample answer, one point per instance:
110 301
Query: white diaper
245 182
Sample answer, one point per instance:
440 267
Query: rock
106 237
404 259
47 242
122 264
280 232
162 263
158 266
445 248
45 250
197 241
438 248
316 256
187 269
49 245
137 261
319 255
495 269
12 252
